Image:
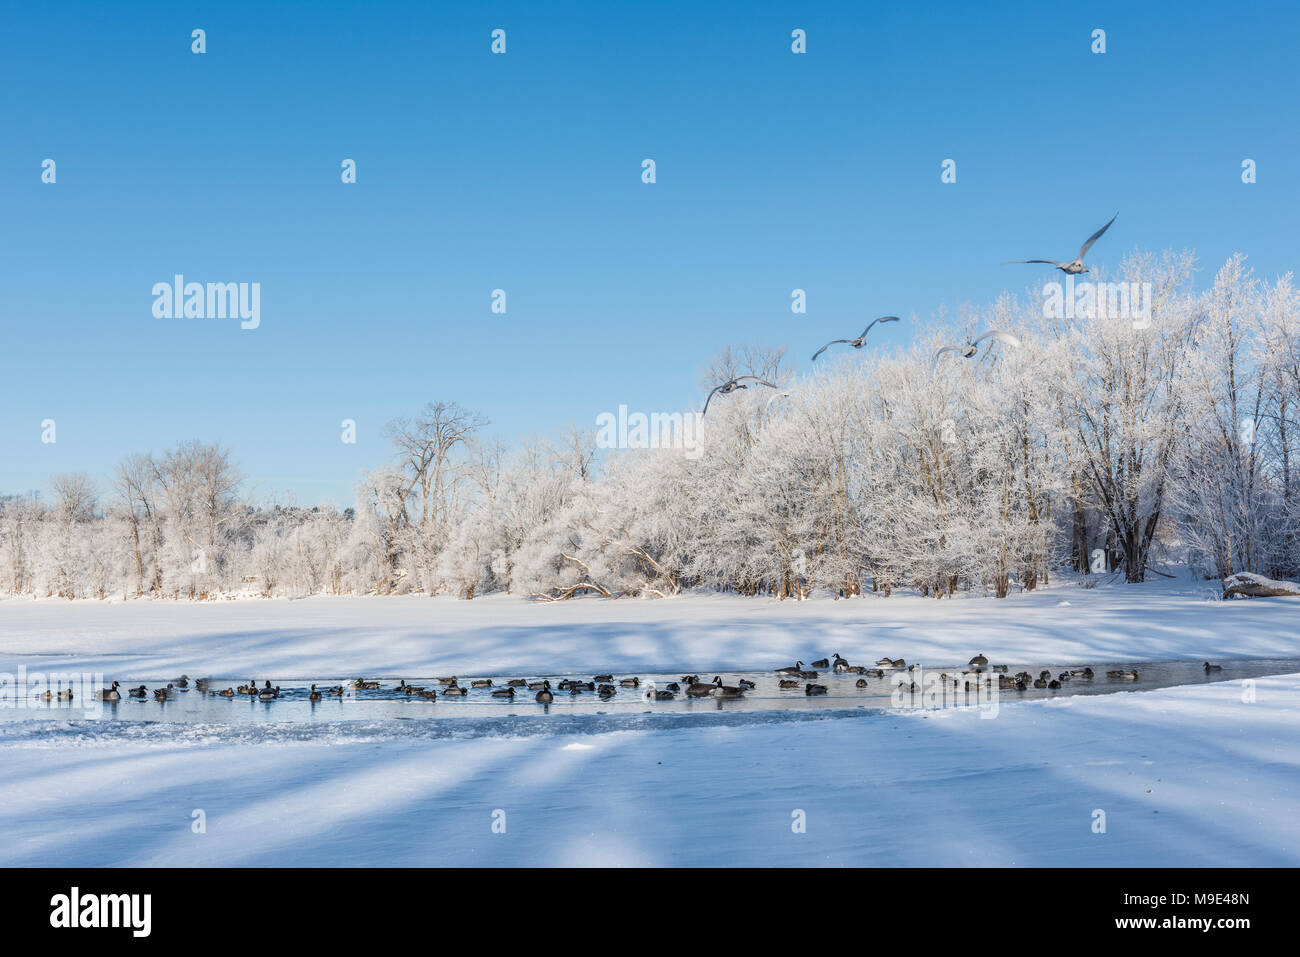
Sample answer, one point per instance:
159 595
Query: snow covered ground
1193 775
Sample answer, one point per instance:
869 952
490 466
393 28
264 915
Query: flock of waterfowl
979 674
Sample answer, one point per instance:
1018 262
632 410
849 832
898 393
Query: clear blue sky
522 171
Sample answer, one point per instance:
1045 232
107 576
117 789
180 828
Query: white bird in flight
968 349
1075 266
731 385
857 343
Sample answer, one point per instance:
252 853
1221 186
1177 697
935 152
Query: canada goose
315 695
607 691
861 682
746 684
139 692
481 683
1123 675
697 689
630 683
812 689
228 693
727 691
545 696
841 666
654 694
607 679
454 691
517 683
1074 266
730 386
968 349
822 662
506 692
691 679
109 694
979 661
788 683
857 343
1209 667
274 692
65 694
268 695
794 669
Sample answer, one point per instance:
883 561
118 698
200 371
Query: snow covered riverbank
1184 776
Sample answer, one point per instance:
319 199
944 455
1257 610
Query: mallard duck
517 683
545 696
877 673
429 695
1063 677
162 694
822 662
538 685
228 693
1044 674
1021 686
630 683
698 689
809 674
110 694
481 683
900 663
788 683
1123 675
861 682
1209 667
1006 682
884 662
201 684
812 689
856 669
794 669
45 695
314 695
1053 684
607 691
408 689
746 684
607 679
673 686
454 691
335 692
183 682
139 692
1001 669
448 681
1040 682
65 694
243 689
503 692
575 689
727 691
1086 674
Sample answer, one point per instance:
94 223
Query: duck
162 694
183 682
506 692
856 669
405 688
1000 669
200 684
788 683
812 689
697 689
575 689
362 685
110 694
1123 675
809 674
1209 667
673 686
429 695
899 663
607 691
1053 684
875 673
884 662
139 692
1040 682
746 684
1006 682
1021 686
545 696
481 683
794 669
538 685
861 682
454 691
822 662
243 689
630 683
228 693
1063 677
727 691
605 679
653 693
979 661
1086 674
45 695
1044 674
448 681
335 692
314 695
517 683
65 694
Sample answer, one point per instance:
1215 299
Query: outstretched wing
938 355
1014 262
1000 336
827 346
874 321
710 399
755 378
1094 237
